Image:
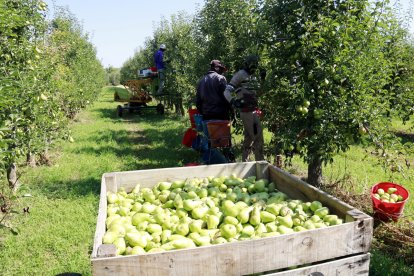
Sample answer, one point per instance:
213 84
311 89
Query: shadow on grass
405 137
156 147
70 189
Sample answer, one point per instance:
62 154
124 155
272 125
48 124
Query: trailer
138 95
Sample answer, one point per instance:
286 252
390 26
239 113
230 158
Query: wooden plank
101 218
355 265
240 258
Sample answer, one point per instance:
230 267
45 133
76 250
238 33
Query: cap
163 47
217 63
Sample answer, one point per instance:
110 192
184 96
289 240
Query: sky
118 28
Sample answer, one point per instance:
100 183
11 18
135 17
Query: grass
56 236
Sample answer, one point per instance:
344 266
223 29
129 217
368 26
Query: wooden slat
356 265
244 257
100 224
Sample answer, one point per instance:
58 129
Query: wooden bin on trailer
335 250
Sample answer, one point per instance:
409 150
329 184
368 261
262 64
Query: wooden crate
340 249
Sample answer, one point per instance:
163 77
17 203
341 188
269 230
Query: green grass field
56 236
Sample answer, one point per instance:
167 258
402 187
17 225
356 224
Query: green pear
230 220
118 228
229 208
285 211
284 230
271 187
196 225
109 237
136 239
169 204
154 228
190 204
137 250
330 218
156 250
285 221
244 214
322 212
274 208
183 243
111 197
260 185
315 218
277 197
202 240
299 228
315 205
165 235
271 226
267 216
228 231
140 217
120 245
255 216
248 230
178 202
319 225
309 224
212 221
164 185
148 208
219 240
199 212
261 228
177 184
391 190
182 229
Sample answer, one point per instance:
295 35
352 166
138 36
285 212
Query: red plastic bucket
387 211
219 133
191 113
189 137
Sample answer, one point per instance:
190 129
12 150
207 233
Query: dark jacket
210 100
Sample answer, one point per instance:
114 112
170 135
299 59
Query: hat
163 47
217 63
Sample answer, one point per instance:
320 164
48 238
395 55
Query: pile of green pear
205 211
390 196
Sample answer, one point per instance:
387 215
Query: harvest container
388 211
335 250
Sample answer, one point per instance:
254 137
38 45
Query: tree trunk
12 177
31 160
44 157
278 161
315 171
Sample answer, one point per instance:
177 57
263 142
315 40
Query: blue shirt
159 59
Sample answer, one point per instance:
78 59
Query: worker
245 85
210 100
160 65
212 105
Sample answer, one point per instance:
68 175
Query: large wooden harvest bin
335 250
